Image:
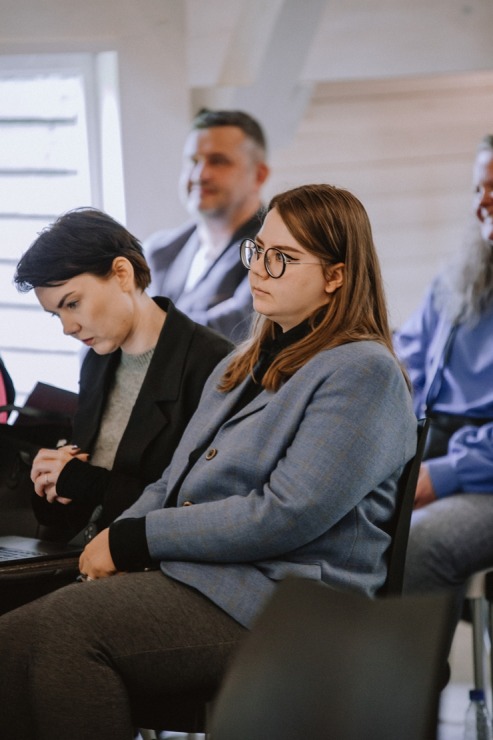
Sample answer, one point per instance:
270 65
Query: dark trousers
85 661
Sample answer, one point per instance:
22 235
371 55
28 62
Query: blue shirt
464 386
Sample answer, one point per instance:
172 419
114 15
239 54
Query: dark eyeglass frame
250 245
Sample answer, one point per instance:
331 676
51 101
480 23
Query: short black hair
207 118
84 240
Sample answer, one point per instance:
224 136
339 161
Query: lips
254 289
202 190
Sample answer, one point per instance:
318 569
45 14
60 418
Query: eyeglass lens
273 258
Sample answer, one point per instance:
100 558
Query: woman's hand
95 560
47 466
425 493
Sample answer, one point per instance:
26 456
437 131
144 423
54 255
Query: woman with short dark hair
140 382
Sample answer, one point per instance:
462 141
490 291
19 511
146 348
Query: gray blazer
299 482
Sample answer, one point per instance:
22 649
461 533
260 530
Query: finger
43 456
39 488
42 465
40 483
84 456
50 493
63 500
37 470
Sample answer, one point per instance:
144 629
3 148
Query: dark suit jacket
221 299
185 355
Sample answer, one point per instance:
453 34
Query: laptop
16 550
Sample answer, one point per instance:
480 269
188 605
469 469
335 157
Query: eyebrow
62 300
281 247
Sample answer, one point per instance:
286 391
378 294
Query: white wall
405 147
149 37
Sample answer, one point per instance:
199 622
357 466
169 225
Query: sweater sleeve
84 485
128 544
81 482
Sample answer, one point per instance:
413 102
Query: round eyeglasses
275 261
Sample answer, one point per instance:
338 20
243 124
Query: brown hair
252 129
332 224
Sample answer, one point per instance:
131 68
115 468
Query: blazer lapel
161 385
217 413
176 273
88 417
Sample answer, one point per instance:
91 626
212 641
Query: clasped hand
425 493
47 466
96 561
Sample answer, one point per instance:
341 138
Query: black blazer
184 357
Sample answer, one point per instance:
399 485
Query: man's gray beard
465 289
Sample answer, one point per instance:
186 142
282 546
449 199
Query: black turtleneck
270 350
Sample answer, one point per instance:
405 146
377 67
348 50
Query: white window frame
99 72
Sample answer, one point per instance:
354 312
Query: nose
70 327
197 171
485 196
257 266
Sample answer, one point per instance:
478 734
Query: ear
335 277
263 172
123 271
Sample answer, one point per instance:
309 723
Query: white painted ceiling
257 53
267 55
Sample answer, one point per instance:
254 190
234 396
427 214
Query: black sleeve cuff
128 544
82 482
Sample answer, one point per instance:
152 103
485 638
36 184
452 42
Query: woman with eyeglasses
288 468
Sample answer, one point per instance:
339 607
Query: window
49 163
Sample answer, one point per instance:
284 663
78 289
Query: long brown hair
331 224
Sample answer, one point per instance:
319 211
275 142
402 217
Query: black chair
401 523
322 664
479 596
192 719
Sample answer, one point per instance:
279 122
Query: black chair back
325 664
402 521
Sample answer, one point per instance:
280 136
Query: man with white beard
447 348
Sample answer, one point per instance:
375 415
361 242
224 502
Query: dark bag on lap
44 421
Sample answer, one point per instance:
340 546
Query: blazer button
210 453
187 503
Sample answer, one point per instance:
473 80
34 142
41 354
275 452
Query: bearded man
447 348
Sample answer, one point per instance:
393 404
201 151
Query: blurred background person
447 349
198 265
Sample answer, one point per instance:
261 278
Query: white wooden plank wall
43 172
405 147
